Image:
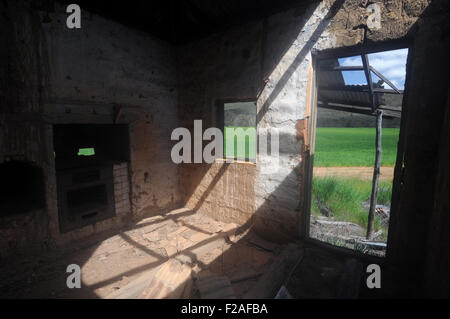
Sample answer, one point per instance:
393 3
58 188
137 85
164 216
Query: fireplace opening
21 188
84 159
84 199
84 145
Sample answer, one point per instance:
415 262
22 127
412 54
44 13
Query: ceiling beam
366 66
355 109
343 68
348 88
384 79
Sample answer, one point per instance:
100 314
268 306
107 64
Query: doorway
349 193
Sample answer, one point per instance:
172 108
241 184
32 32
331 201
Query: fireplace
84 158
22 188
85 196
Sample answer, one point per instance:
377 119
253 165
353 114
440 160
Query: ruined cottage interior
86 175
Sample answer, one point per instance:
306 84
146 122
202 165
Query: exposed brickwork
121 189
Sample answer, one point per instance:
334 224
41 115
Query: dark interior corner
22 188
344 109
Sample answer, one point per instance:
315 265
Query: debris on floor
212 286
164 256
347 234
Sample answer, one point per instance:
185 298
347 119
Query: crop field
344 151
350 146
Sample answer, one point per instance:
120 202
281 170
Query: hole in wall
22 188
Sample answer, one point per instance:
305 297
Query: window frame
219 120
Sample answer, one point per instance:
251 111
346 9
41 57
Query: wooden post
376 174
366 66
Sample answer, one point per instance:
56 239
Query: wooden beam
384 79
348 88
380 90
344 108
390 108
376 175
308 92
365 60
306 140
368 48
342 68
355 109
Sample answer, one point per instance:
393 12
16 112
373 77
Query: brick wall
121 189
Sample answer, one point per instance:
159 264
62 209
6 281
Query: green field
344 146
248 153
345 196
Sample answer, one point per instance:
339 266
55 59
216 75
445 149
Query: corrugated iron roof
332 89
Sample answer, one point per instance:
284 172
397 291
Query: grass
345 146
343 196
249 140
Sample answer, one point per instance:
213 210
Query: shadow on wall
196 182
204 191
299 58
193 95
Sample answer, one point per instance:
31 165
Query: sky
392 64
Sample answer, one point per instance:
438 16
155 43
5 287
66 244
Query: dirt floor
365 173
123 264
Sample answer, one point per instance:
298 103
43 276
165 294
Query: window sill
231 160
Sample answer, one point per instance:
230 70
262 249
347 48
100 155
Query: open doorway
358 110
